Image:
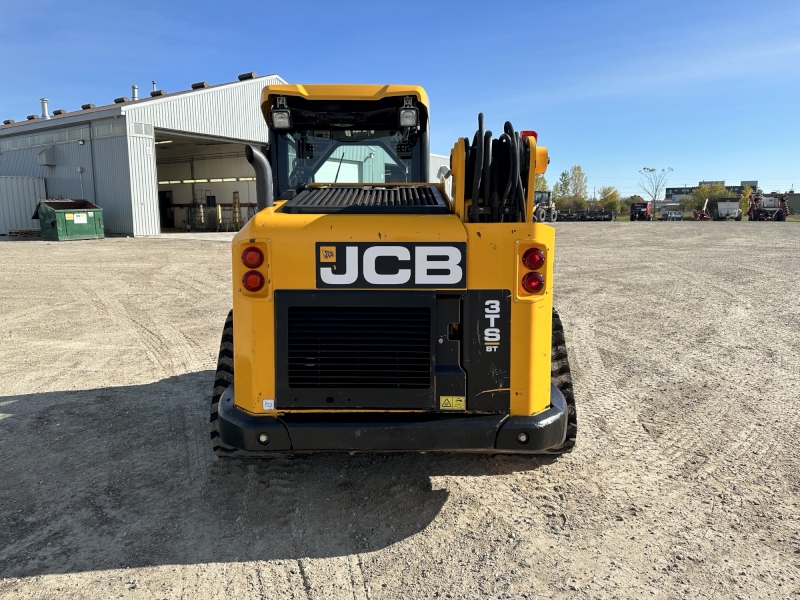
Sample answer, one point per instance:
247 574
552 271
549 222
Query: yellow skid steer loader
374 311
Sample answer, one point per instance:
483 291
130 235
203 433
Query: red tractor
768 208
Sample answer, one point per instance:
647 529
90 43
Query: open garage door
201 182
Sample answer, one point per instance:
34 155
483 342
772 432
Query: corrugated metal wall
63 179
144 186
231 111
18 199
113 183
105 178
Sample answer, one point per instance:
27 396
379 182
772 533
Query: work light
281 120
409 117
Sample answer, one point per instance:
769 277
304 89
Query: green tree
561 189
713 193
539 182
577 187
610 198
580 203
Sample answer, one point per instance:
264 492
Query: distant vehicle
728 208
768 208
672 215
545 209
641 211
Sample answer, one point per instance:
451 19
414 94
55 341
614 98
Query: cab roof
341 92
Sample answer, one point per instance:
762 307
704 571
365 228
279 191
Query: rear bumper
394 432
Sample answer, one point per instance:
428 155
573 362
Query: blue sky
710 89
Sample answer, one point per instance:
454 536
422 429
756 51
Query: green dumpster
69 220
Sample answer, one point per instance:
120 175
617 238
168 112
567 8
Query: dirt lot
685 481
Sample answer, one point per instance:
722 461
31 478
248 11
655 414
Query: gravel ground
685 481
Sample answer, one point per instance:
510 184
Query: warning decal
452 402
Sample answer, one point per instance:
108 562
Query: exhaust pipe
134 92
264 194
45 112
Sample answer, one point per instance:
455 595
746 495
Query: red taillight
253 281
252 257
533 259
533 283
529 133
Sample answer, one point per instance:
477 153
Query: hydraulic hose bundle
495 172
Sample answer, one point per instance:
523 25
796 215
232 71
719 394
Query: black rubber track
561 377
223 379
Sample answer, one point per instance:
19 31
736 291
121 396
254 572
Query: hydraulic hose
511 181
488 162
486 177
521 189
477 153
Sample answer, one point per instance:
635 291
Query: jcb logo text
432 265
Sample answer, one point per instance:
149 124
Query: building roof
120 108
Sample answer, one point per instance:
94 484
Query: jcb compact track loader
373 311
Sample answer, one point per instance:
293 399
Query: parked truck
671 215
641 211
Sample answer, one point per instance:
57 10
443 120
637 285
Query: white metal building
113 155
146 161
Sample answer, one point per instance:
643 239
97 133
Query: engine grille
359 347
411 199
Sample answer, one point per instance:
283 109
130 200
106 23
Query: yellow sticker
327 254
69 216
452 402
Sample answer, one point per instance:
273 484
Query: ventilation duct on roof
86 106
245 76
9 121
199 85
156 93
45 112
134 92
121 100
33 117
59 111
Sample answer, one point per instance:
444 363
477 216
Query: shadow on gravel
124 477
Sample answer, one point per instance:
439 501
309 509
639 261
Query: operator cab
359 142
